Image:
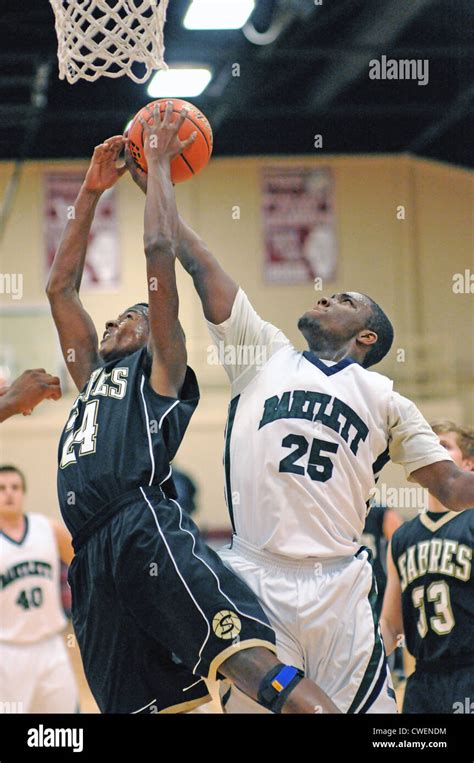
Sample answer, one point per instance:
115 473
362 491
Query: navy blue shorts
155 611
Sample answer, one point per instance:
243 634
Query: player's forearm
7 407
192 252
68 265
458 494
161 214
215 287
453 487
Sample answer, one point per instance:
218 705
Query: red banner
298 223
102 268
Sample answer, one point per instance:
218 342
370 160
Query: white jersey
306 439
30 600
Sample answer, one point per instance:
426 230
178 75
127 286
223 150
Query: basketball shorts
37 678
155 611
448 690
323 614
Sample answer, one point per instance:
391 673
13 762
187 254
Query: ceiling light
218 14
179 83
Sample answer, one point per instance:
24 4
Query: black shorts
155 611
443 691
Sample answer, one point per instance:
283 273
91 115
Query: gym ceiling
310 77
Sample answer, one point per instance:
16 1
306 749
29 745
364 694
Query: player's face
335 320
11 492
124 335
449 441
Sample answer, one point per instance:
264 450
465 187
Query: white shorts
37 678
324 623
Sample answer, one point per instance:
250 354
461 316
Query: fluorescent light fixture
218 14
179 83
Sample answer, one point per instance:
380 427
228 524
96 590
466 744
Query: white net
109 38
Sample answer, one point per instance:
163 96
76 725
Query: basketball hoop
109 38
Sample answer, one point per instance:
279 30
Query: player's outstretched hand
103 171
30 389
160 134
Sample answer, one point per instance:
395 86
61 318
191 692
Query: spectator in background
430 594
35 672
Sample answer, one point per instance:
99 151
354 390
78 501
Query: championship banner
299 226
102 267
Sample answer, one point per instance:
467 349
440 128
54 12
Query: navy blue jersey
120 435
433 557
373 537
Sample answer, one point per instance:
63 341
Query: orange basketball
194 158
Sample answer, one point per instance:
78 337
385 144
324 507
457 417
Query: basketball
194 158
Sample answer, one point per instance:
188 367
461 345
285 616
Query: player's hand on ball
160 135
103 171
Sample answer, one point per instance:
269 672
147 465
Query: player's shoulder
371 383
278 350
374 377
463 519
36 520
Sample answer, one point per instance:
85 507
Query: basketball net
107 37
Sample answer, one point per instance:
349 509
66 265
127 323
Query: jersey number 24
84 436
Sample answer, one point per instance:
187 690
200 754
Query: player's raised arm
161 144
232 321
77 334
216 289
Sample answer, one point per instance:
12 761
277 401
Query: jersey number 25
319 467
